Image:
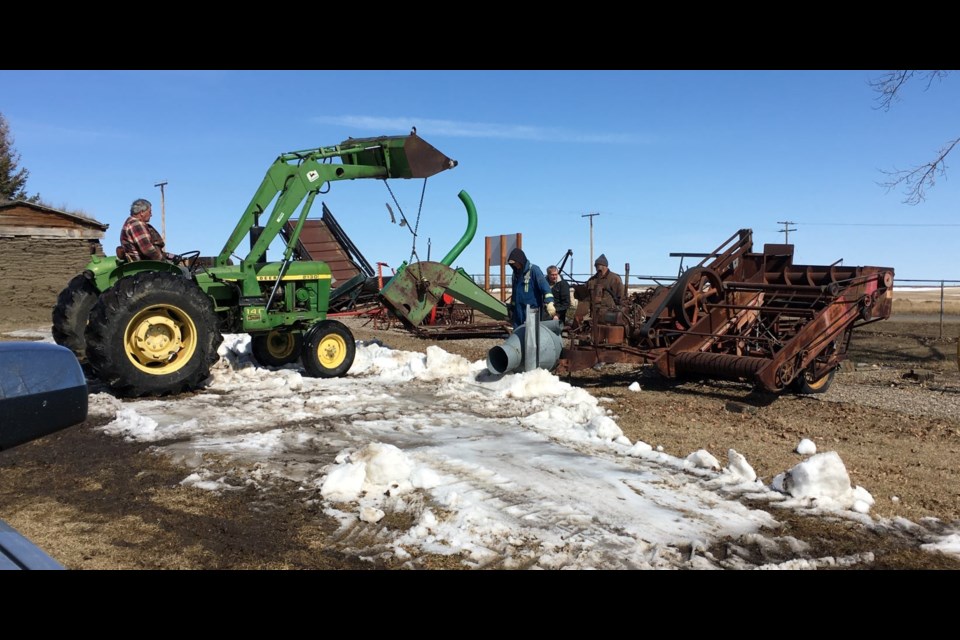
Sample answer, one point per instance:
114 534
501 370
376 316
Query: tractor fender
105 278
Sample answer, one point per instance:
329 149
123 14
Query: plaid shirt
140 240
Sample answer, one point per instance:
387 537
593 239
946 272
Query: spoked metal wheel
696 289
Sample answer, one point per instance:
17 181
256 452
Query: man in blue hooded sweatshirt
529 288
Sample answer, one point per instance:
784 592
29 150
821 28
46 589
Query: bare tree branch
916 180
938 74
888 86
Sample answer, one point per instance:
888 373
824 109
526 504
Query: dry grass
927 301
925 307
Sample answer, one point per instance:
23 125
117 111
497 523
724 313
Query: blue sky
674 161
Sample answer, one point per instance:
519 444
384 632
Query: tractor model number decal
305 276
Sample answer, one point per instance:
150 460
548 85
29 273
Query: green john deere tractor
153 328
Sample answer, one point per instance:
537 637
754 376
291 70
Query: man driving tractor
138 238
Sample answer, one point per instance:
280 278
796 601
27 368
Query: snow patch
703 459
806 447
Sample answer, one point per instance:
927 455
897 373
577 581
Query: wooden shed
41 249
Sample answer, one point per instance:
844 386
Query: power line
786 231
876 224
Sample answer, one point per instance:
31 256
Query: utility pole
591 216
163 210
786 231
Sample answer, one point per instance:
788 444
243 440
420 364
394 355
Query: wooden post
486 264
163 211
591 216
941 313
503 268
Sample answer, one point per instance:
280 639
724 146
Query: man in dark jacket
605 292
529 288
561 295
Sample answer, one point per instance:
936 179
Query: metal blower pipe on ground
514 353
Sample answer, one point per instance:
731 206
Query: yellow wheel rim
819 384
160 339
281 344
332 351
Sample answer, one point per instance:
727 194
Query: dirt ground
893 415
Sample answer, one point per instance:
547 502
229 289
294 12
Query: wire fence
945 288
636 281
949 300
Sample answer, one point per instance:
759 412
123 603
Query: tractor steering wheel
188 260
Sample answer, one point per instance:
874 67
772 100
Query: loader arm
153 328
298 173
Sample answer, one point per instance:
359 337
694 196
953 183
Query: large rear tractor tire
153 334
71 314
328 350
277 348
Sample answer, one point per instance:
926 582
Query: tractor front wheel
328 350
277 348
153 334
